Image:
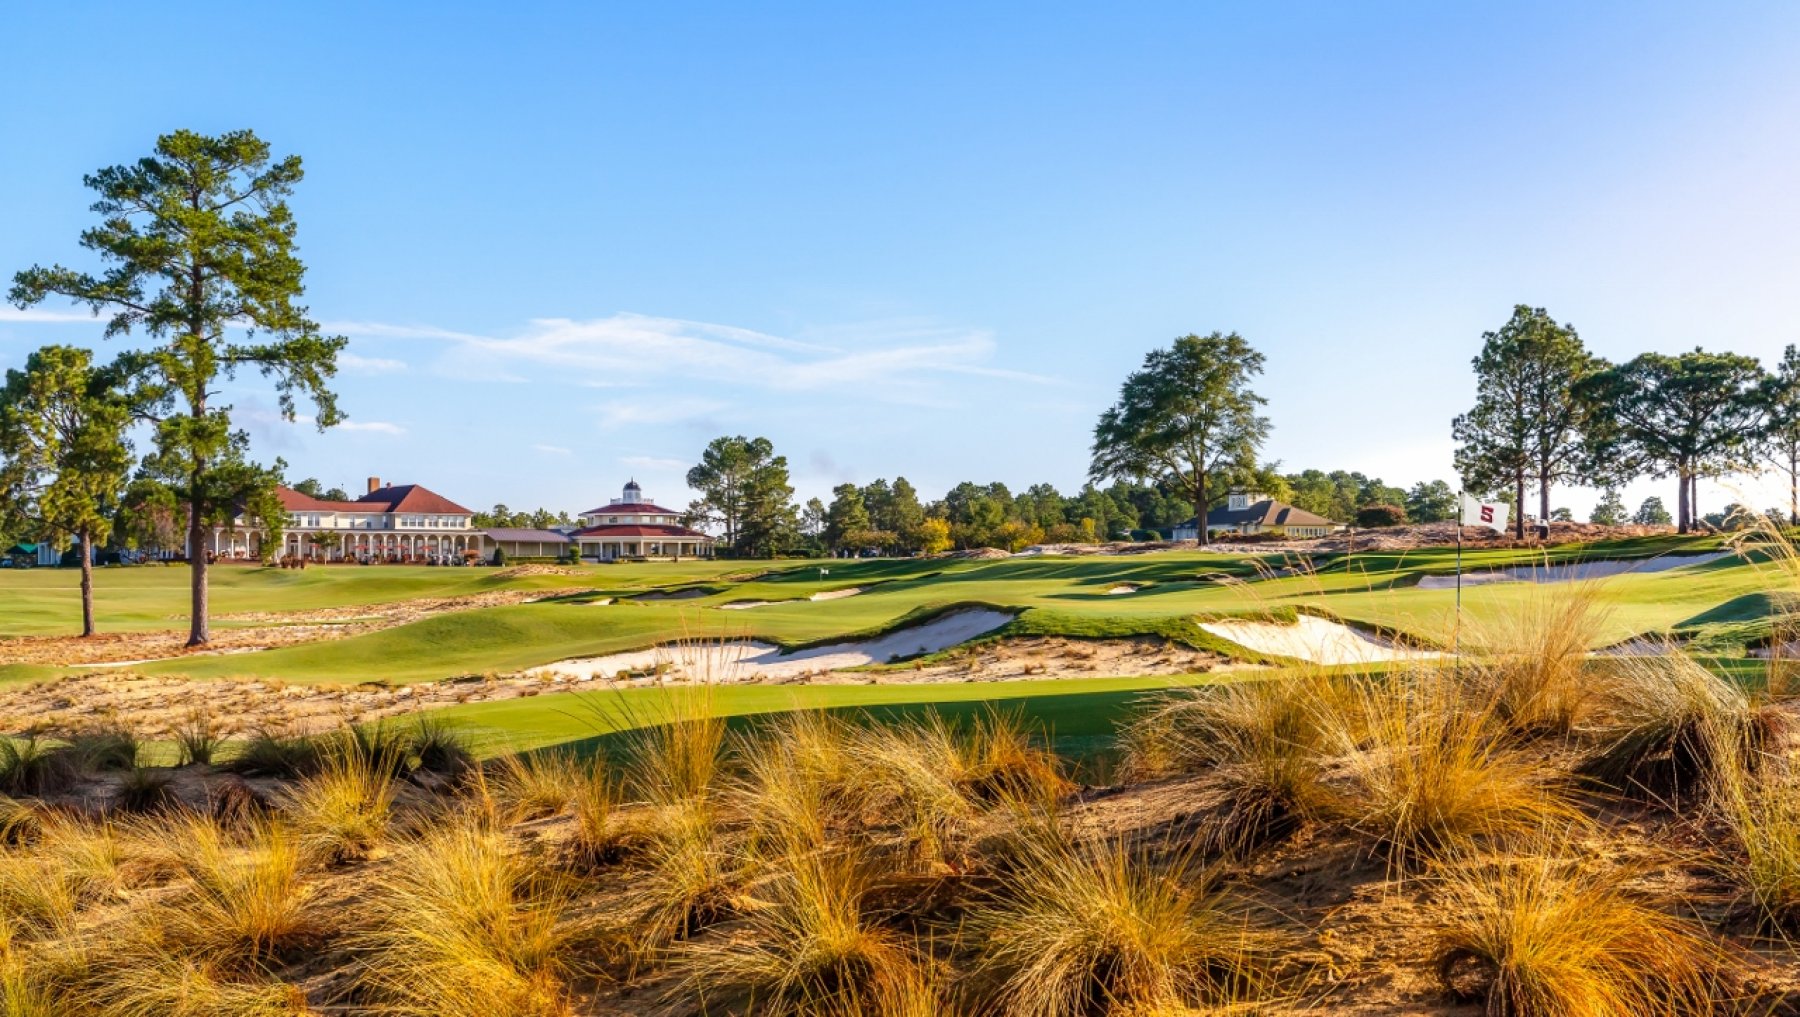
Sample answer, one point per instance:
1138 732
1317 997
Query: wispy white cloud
674 410
892 361
372 427
654 462
553 450
43 316
369 365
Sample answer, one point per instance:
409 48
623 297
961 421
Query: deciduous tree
1609 510
63 453
198 242
1189 411
744 491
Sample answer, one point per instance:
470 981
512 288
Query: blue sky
572 243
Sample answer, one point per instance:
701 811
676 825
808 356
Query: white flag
1485 513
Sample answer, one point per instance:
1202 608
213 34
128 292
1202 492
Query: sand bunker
1574 572
1319 640
849 591
688 594
1121 590
745 605
742 660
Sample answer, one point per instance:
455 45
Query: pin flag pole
1456 633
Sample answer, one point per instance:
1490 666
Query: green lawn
1729 600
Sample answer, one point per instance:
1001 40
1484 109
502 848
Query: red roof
624 508
394 498
639 530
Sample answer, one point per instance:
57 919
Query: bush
1376 516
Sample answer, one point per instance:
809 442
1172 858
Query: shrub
270 752
439 748
30 766
1376 516
144 789
1536 936
109 747
1094 928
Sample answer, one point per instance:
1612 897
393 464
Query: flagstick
1456 632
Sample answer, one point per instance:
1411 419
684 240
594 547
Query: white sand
740 660
1319 640
675 595
745 605
1121 590
849 591
1574 572
601 602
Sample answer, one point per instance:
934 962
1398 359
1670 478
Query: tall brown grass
342 812
1533 659
810 946
1532 934
244 904
464 925
1434 770
1671 721
1083 928
1262 742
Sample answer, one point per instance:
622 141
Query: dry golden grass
1264 744
244 904
1078 929
1533 661
534 785
1670 724
171 985
1760 811
1434 770
463 925
342 812
1532 935
600 836
808 947
687 877
911 779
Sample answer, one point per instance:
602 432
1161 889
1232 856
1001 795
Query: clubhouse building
411 523
1251 512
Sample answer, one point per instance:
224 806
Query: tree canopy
745 493
1529 422
1188 412
1688 416
63 453
198 243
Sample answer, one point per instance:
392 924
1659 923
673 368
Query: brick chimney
374 484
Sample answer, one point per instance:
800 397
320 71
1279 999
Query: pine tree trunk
1794 486
1519 505
1681 500
87 585
1544 501
1200 507
199 633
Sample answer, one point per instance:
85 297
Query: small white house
1253 512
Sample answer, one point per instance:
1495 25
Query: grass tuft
342 812
1079 929
463 926
1537 936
